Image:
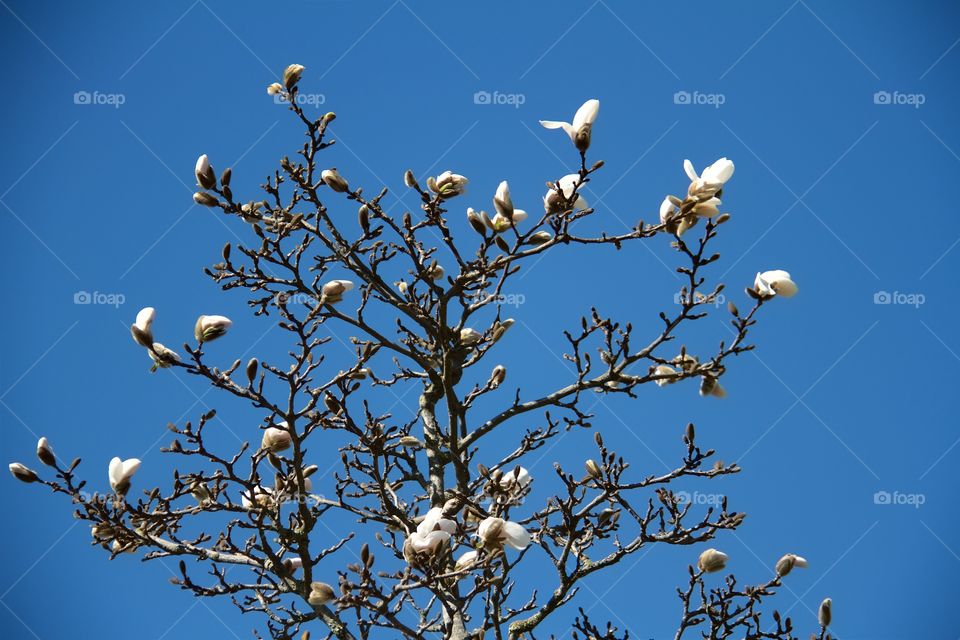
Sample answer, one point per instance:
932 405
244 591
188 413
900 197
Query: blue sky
841 118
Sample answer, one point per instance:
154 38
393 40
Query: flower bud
448 184
786 564
252 366
274 89
498 375
540 237
470 336
45 453
23 473
333 291
321 593
291 75
210 328
593 469
162 357
502 201
825 615
142 328
206 178
712 561
276 439
476 221
205 199
409 179
411 442
334 180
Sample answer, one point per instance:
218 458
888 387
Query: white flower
431 534
204 173
291 75
664 370
502 201
260 497
334 290
470 336
448 184
712 178
712 561
579 129
500 222
320 594
708 208
668 211
162 357
274 89
121 472
775 283
710 386
568 184
293 563
786 564
495 532
521 479
467 560
825 614
276 439
142 329
211 327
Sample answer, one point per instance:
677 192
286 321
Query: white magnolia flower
291 75
567 185
333 291
825 614
712 561
431 534
121 472
467 560
274 88
470 336
495 532
448 184
334 180
668 211
787 563
502 201
521 479
162 356
708 208
211 327
775 283
276 439
710 386
712 178
664 370
204 173
321 593
500 222
142 329
22 472
293 563
579 129
260 497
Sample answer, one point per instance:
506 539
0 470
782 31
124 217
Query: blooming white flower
579 130
469 336
431 534
142 329
274 88
710 386
664 370
291 75
570 183
448 184
521 479
713 177
162 357
775 283
495 532
500 222
211 327
708 208
121 472
502 201
467 560
321 593
334 290
259 497
712 561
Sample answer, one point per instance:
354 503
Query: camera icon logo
882 297
681 97
82 297
82 97
482 97
882 97
882 497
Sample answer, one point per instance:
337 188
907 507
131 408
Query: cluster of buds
207 179
581 128
45 454
448 184
702 199
430 537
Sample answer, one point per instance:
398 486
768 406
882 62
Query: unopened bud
593 469
498 375
291 75
321 593
23 473
825 615
334 180
540 237
712 561
205 199
45 453
409 179
411 442
274 89
204 172
252 369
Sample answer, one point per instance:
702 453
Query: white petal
145 318
517 536
115 470
586 114
691 172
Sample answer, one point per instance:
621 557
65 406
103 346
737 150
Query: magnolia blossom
211 327
204 173
567 185
259 497
293 563
502 201
708 208
142 329
276 439
775 283
579 129
274 88
470 336
713 177
162 356
467 560
500 222
825 614
22 472
495 532
121 472
432 533
334 180
320 593
291 75
712 561
710 386
521 479
668 216
786 564
45 452
334 290
664 370
448 184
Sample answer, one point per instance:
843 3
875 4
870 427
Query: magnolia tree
445 525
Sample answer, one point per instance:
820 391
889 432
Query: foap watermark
97 297
898 297
898 498
514 100
709 499
505 299
714 100
682 297
899 98
99 98
302 99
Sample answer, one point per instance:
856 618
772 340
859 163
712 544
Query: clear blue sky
848 189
